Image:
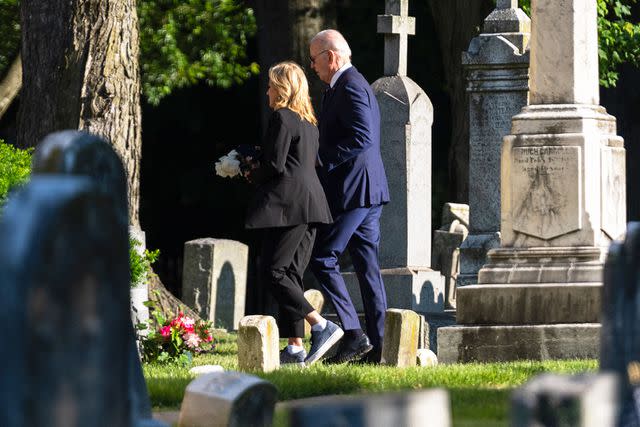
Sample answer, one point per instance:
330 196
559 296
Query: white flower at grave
228 166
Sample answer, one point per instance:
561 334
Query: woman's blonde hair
292 89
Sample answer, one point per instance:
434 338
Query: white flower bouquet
228 166
243 159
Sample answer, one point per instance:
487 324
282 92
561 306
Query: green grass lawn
479 392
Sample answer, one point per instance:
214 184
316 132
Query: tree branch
10 85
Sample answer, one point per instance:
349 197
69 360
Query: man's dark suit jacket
289 192
352 172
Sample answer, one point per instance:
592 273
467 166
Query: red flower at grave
174 338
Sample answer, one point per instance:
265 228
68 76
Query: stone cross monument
405 140
562 204
396 25
497 69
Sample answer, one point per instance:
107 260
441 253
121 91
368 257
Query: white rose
228 166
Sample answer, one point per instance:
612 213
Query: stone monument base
529 304
464 344
419 290
575 264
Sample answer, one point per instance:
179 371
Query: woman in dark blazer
287 204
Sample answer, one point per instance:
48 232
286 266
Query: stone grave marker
64 263
586 400
78 153
316 299
230 398
497 73
620 339
445 255
214 280
401 336
405 144
374 410
426 357
258 344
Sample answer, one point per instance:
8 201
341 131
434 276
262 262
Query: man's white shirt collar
338 73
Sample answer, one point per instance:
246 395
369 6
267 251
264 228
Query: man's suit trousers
357 230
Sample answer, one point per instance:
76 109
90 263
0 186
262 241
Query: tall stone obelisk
562 203
497 72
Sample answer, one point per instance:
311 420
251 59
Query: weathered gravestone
401 338
84 265
426 358
418 408
445 255
587 400
64 282
214 280
258 344
228 399
405 144
497 72
563 202
620 337
77 153
316 299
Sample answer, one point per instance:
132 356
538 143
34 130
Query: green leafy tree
182 42
10 40
619 38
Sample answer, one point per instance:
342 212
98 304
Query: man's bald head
333 40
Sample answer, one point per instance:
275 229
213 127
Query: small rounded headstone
426 357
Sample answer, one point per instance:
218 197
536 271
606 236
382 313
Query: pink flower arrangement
177 339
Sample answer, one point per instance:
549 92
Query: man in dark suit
353 178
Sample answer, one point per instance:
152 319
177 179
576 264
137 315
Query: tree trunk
457 22
81 62
284 31
10 86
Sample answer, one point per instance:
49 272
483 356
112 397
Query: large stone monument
562 204
405 138
497 70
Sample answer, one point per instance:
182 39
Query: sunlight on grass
479 392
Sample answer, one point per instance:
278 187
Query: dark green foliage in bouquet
15 168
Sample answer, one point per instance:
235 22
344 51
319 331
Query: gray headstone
228 399
258 344
620 339
426 358
64 281
378 410
405 144
401 338
497 71
82 154
214 280
586 400
445 257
